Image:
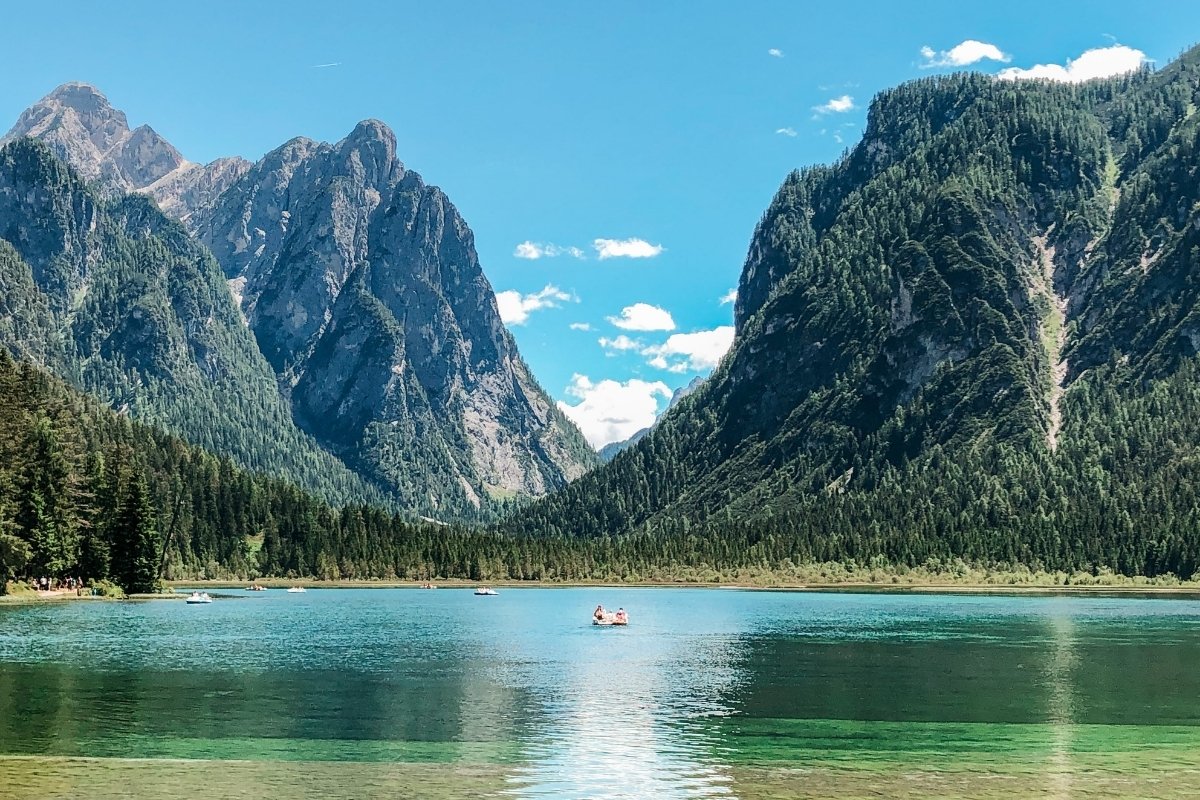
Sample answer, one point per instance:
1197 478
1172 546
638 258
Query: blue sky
632 146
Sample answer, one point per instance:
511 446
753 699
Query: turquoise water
708 693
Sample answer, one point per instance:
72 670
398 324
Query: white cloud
535 250
697 351
626 248
971 51
1099 62
787 132
612 411
836 105
580 326
620 343
644 317
776 52
729 297
515 307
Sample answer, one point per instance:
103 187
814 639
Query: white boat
611 618
196 598
486 591
297 590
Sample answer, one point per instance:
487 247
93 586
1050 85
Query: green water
708 693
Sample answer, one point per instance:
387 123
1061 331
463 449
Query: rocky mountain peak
79 125
372 146
81 103
82 128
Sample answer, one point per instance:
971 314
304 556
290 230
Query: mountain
610 450
358 283
83 129
975 336
122 302
364 291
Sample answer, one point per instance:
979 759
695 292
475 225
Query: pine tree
136 540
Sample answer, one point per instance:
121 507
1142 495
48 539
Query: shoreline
848 587
176 588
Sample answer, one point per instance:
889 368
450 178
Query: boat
486 591
255 587
611 618
196 598
297 590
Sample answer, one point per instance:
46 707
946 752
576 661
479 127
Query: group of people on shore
56 585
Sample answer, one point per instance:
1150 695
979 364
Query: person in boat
599 613
621 617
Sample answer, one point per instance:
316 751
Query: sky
612 158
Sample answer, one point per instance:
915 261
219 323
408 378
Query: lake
353 693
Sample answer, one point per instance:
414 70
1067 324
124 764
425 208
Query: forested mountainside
974 336
119 300
87 493
375 367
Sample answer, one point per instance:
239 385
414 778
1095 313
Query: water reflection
1060 677
629 715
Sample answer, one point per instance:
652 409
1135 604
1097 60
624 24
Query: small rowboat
296 590
198 598
486 591
611 618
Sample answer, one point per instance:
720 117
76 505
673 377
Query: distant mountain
83 129
358 282
610 450
975 336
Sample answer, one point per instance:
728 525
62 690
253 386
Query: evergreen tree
136 540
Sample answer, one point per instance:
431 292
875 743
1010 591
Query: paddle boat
609 618
486 591
297 590
256 587
196 598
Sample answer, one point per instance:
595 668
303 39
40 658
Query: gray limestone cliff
362 285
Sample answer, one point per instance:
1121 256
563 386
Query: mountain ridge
361 287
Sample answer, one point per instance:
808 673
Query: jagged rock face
363 288
83 129
180 192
